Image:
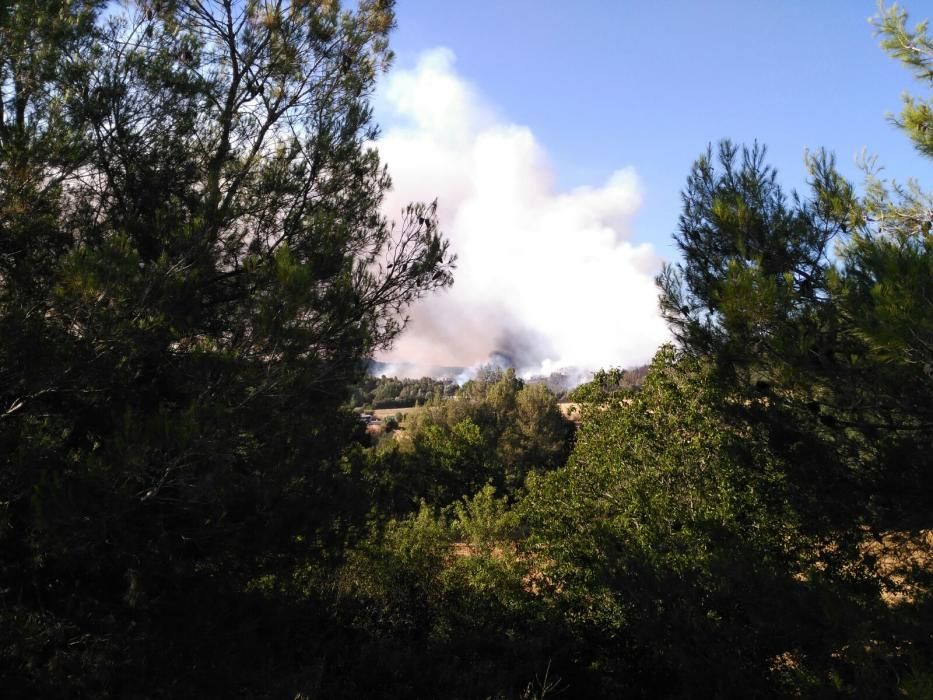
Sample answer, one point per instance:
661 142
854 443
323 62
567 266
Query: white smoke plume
547 279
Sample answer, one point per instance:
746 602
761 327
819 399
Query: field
383 413
570 410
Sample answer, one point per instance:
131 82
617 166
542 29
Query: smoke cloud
545 278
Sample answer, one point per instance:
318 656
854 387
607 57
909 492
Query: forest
196 273
391 392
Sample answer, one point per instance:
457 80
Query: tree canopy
195 273
194 270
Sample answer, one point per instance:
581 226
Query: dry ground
570 410
383 413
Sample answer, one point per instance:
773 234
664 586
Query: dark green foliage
391 392
443 609
495 430
754 268
680 555
840 350
913 48
193 275
609 385
194 270
719 529
738 526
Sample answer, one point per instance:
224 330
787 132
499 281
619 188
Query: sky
557 137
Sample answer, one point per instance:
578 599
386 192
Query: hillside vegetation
194 276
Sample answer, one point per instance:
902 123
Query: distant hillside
405 383
411 370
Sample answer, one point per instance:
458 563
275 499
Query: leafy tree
881 294
672 547
885 282
608 385
733 505
496 430
445 608
536 438
454 459
193 272
752 282
913 48
391 392
837 346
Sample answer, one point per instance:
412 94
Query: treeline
391 392
193 273
495 431
564 383
609 382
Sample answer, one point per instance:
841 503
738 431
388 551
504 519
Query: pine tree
194 270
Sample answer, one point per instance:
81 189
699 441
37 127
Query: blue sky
557 137
609 84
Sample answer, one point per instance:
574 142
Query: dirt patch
899 558
383 413
570 410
